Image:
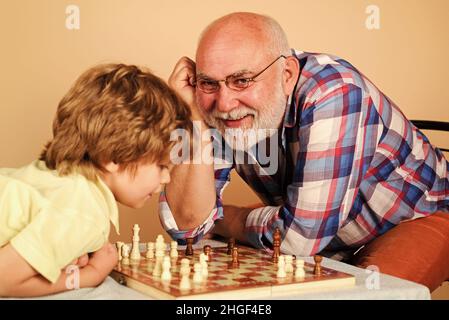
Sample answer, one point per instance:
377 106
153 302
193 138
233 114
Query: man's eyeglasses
234 81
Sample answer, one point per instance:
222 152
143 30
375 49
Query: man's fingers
184 70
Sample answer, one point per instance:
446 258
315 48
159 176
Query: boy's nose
165 176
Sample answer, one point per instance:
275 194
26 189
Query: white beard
267 119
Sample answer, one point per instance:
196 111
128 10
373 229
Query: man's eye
240 82
207 83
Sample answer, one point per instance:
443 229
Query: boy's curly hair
114 112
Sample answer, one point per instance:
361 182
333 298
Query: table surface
369 285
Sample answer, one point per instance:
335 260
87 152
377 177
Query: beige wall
40 58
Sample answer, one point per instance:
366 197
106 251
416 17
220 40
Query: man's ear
111 167
290 75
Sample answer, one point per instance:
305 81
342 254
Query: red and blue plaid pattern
351 168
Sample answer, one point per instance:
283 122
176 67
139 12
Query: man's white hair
274 35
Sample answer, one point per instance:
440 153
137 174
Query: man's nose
226 99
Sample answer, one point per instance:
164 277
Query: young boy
111 142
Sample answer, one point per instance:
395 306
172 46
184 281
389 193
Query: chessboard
254 276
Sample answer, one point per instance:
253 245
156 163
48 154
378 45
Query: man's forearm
191 195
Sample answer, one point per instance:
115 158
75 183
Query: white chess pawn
184 271
119 245
185 266
281 267
150 250
166 274
288 263
300 273
157 270
135 252
125 254
173 249
202 257
185 262
160 246
197 273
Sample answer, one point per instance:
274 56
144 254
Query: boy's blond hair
114 112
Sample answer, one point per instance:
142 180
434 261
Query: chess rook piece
317 269
231 244
189 248
276 245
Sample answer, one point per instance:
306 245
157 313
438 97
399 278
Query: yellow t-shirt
50 219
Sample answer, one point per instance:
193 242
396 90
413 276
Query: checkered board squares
254 277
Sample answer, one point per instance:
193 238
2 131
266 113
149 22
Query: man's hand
233 223
181 80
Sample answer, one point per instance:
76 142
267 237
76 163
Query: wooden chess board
254 278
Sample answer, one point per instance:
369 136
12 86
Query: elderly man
350 166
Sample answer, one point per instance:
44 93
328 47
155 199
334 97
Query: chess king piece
135 252
231 244
189 248
276 244
317 268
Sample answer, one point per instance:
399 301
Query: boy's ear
111 167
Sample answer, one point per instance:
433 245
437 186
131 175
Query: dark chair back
433 125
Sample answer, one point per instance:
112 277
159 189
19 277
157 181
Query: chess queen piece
135 252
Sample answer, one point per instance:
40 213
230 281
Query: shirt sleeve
338 135
222 177
56 237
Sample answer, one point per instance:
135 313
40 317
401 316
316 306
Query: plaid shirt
351 168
